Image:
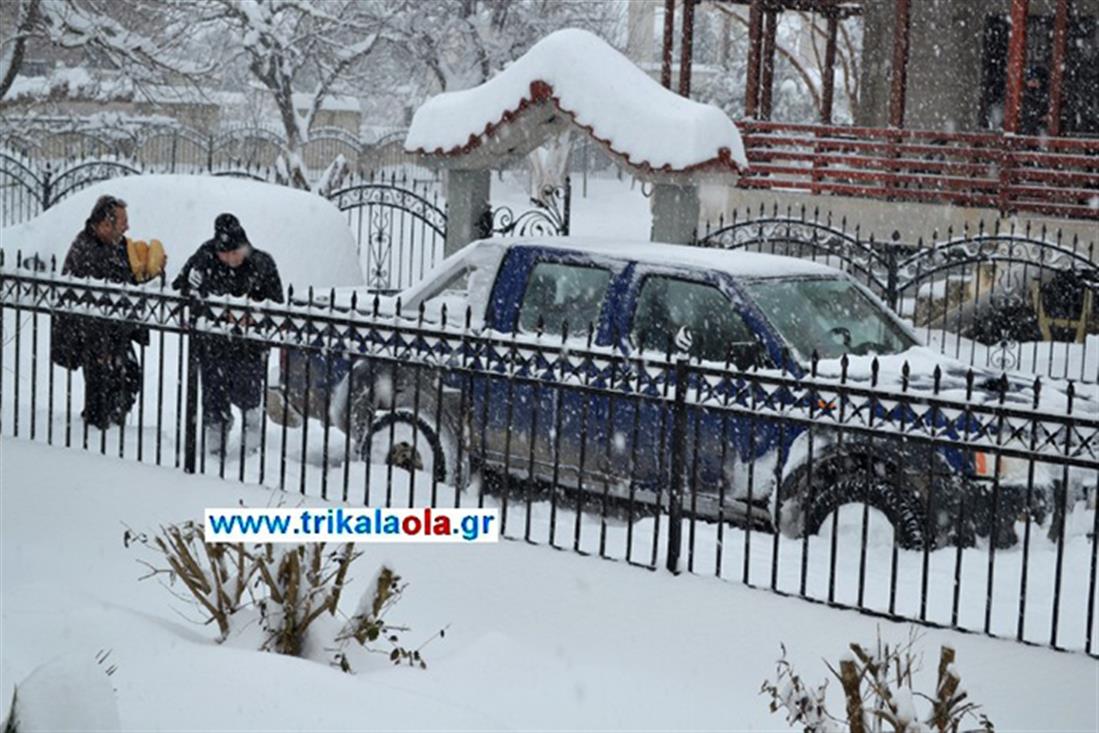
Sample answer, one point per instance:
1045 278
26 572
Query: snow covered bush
291 592
878 694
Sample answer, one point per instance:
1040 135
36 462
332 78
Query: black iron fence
950 499
1025 300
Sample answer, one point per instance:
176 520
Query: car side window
558 293
666 304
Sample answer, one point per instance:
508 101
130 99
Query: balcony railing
1011 173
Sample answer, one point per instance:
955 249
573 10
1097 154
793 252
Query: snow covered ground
536 638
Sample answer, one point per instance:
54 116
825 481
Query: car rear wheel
902 508
404 440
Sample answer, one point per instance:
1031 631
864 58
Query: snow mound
308 236
68 694
602 90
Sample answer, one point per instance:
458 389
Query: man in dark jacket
232 368
112 374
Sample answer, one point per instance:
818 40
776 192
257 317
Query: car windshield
830 316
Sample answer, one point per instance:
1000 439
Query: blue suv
756 311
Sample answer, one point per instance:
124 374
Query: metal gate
1025 301
27 190
400 232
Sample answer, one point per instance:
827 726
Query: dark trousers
232 374
111 385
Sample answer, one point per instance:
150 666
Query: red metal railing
1012 173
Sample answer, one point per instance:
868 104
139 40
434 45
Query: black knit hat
228 233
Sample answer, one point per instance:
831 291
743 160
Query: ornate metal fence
27 190
648 459
1018 300
400 229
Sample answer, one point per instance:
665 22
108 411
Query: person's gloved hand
195 278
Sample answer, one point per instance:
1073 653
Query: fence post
190 434
679 451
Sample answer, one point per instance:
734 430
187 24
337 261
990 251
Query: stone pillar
675 213
467 207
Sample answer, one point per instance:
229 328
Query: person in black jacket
231 368
112 374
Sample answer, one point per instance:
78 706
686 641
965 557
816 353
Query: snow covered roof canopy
574 78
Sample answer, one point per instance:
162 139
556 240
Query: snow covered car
761 311
306 234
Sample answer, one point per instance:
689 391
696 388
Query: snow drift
306 234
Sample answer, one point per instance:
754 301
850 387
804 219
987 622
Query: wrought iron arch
22 189
797 236
392 196
59 143
988 249
174 147
254 173
990 290
400 234
231 144
85 173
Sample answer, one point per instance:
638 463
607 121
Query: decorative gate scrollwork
549 218
400 233
796 236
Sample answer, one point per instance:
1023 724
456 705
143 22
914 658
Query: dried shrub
292 586
878 694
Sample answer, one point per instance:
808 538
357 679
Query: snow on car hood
1018 390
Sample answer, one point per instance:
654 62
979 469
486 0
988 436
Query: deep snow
305 233
536 638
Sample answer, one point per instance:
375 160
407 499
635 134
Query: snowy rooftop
574 75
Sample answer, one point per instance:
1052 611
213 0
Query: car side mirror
746 354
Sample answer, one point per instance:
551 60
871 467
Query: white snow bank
307 235
602 89
589 645
70 693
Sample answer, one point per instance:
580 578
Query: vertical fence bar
1061 518
16 312
308 329
994 524
815 403
160 374
190 417
3 341
1028 511
34 357
679 437
1089 633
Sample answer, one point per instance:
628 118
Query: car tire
902 508
408 441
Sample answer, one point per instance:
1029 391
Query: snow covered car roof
738 263
584 78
